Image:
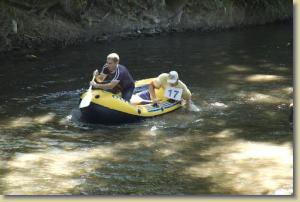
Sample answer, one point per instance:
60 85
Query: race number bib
173 93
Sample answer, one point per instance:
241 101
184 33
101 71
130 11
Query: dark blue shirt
121 74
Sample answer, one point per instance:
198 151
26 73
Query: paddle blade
135 99
194 108
86 100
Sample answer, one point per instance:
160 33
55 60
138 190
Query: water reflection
264 78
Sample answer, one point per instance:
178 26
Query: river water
239 143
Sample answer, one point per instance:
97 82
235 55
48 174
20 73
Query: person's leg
126 95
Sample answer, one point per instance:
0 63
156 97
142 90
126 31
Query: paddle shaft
88 97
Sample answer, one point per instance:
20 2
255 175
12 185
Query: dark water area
239 143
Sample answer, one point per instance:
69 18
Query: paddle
135 99
193 107
88 97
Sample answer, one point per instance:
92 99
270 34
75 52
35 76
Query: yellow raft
109 108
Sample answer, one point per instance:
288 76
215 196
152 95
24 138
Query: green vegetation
58 23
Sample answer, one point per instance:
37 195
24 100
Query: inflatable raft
109 108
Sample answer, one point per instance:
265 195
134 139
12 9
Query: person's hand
95 73
94 84
155 101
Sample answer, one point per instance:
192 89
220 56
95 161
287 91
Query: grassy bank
35 25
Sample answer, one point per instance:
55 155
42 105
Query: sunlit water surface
240 142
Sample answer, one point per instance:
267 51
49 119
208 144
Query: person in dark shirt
114 77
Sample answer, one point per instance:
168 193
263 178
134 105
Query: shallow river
239 143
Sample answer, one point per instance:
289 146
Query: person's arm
187 96
152 86
106 86
100 77
152 91
189 103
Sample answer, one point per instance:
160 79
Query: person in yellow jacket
172 86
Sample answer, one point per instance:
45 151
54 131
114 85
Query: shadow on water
239 143
156 157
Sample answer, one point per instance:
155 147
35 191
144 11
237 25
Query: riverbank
27 28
